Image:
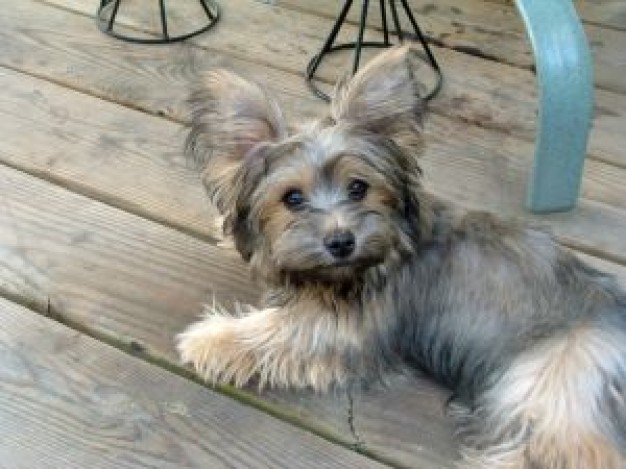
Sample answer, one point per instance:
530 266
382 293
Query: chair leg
565 79
359 39
357 46
107 15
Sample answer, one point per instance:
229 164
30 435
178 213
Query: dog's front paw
215 352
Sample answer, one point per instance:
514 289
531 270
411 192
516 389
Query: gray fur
490 308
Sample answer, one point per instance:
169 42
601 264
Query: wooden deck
108 247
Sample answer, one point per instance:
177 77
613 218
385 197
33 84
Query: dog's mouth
345 268
332 274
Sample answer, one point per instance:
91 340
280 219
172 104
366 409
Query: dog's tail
561 405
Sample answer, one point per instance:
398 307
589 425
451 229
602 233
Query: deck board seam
132 349
122 204
92 94
610 27
126 206
467 50
586 21
172 118
190 42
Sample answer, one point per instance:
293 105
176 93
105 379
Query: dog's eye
357 189
293 198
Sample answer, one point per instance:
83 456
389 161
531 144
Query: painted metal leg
107 15
565 79
329 46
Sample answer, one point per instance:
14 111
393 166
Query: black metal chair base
107 14
357 45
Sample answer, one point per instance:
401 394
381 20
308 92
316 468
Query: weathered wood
83 58
480 92
139 283
94 146
492 31
130 280
66 250
69 401
607 13
134 161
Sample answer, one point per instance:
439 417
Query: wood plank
491 30
83 58
606 13
138 283
65 249
476 91
367 425
148 175
69 401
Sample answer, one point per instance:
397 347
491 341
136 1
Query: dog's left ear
231 118
383 98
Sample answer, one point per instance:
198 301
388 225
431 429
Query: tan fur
552 393
273 345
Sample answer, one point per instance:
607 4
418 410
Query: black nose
340 243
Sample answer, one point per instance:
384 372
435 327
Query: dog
367 272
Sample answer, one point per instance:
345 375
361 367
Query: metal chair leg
359 43
565 79
107 16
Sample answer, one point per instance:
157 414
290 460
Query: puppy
366 271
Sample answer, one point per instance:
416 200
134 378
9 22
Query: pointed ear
383 97
231 117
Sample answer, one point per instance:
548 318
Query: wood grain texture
476 91
134 161
80 255
126 278
494 31
606 13
68 401
139 283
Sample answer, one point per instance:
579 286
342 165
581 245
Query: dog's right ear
384 98
231 117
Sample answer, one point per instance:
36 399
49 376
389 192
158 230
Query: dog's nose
340 243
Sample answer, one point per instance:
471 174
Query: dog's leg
280 346
558 406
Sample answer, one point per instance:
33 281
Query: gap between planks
492 32
496 96
77 247
142 129
137 350
104 394
137 283
183 184
592 251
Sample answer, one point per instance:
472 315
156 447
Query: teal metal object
565 79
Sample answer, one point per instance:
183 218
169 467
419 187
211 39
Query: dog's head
326 202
